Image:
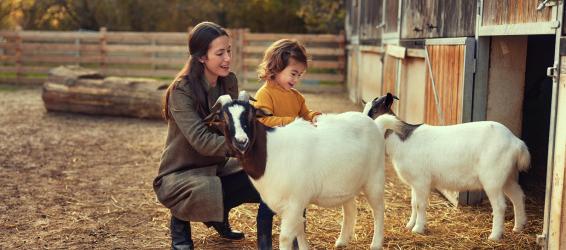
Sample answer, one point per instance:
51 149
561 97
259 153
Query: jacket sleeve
305 112
264 101
191 125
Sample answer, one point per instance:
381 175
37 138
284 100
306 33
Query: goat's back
456 156
335 158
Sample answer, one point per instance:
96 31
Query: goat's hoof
410 225
518 229
340 244
494 237
418 230
376 247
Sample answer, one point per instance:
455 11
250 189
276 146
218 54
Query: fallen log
75 89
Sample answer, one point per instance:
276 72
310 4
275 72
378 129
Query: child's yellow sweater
285 105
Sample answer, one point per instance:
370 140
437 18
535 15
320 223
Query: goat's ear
261 112
389 99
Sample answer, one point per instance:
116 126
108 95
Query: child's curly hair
276 57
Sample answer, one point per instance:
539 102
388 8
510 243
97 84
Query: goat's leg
374 194
413 218
291 223
421 195
348 222
516 195
497 200
301 236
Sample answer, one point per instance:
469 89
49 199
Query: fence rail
27 56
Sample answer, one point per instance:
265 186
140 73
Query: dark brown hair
200 38
276 58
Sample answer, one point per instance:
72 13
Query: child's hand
314 118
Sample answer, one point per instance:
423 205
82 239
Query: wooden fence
27 56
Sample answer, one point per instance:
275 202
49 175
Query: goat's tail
523 158
387 121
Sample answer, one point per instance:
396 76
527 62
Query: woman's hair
200 38
276 58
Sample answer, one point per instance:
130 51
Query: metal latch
552 72
545 3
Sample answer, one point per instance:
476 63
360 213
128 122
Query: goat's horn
221 101
245 96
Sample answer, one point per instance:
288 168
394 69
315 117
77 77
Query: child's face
217 59
291 75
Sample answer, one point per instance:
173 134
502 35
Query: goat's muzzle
241 145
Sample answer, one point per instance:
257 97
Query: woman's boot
264 227
224 230
180 234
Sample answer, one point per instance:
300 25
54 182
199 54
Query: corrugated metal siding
447 63
498 12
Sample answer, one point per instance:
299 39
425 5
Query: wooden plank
396 51
62 59
310 51
52 47
303 38
22 80
145 48
420 53
25 69
142 73
52 35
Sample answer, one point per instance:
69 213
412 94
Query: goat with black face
299 164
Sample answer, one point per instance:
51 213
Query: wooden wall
371 16
371 70
447 62
391 12
498 12
412 90
438 18
506 83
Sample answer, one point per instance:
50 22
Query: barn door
517 17
554 228
449 89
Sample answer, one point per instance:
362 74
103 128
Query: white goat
462 157
299 164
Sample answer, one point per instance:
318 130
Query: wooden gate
517 17
449 90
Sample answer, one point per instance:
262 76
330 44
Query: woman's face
217 59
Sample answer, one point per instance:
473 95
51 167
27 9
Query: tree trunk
74 89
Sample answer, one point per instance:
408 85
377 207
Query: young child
284 63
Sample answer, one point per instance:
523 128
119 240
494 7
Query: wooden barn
459 61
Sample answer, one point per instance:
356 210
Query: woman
196 179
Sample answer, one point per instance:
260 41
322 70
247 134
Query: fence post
18 55
103 42
342 57
244 44
237 51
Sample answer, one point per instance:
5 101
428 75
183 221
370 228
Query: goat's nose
241 144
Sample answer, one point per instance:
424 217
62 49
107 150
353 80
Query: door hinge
552 72
555 25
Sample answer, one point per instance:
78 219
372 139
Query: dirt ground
71 181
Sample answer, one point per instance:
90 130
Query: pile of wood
80 90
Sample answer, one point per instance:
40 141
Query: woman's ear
202 59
